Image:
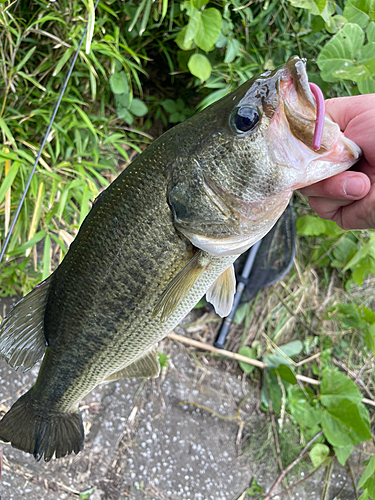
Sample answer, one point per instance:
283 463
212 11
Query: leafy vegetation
145 66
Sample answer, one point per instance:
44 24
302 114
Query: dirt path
142 443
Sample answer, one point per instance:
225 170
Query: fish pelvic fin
33 430
146 366
22 341
180 286
221 292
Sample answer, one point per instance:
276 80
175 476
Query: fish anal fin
179 287
221 293
22 341
146 366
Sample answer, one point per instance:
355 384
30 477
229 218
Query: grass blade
36 215
46 257
6 184
7 197
91 24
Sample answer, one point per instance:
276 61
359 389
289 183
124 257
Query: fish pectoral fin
146 366
22 341
221 293
180 286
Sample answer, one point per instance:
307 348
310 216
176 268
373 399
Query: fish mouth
299 105
292 132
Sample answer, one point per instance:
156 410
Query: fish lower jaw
341 157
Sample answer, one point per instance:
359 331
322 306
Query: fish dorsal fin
22 341
181 284
146 366
221 293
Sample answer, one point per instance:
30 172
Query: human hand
349 198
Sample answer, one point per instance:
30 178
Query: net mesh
274 257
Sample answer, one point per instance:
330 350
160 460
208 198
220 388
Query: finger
327 208
345 186
359 214
356 118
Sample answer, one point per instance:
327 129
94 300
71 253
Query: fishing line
63 88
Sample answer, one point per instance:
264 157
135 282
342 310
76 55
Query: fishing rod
57 105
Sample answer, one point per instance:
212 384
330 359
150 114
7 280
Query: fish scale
164 233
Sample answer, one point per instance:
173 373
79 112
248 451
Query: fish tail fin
33 430
22 341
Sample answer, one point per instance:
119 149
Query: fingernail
353 187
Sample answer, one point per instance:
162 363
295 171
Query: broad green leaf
335 23
125 115
200 66
361 254
318 454
343 425
209 29
249 352
336 386
286 374
302 410
368 315
306 4
349 315
177 117
192 26
358 11
368 472
200 3
233 50
138 107
289 350
365 267
310 225
339 53
169 106
122 100
255 489
180 40
364 496
370 32
119 83
367 86
84 495
343 453
274 392
345 249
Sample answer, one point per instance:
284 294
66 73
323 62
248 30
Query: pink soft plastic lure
320 112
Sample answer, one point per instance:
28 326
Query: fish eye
245 119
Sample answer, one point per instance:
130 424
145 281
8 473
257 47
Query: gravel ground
142 443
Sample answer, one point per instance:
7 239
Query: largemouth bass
164 233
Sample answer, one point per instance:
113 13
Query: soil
143 443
